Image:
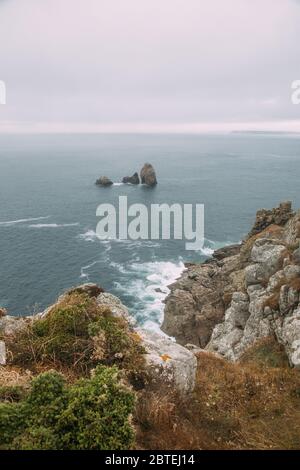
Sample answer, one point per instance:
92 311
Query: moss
93 413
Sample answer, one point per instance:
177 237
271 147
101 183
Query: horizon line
284 127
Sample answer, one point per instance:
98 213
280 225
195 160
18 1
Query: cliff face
244 292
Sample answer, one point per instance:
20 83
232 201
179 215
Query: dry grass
266 352
234 406
13 376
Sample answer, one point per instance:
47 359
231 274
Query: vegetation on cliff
90 414
77 393
253 404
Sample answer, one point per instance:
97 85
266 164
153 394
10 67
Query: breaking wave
22 221
53 225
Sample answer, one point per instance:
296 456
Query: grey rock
148 175
169 364
92 290
117 308
295 354
10 325
134 179
238 313
279 216
296 256
226 251
104 181
291 272
2 353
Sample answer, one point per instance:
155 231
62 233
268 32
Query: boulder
3 312
238 312
2 353
134 179
267 256
148 175
295 354
168 364
104 181
92 290
9 324
117 308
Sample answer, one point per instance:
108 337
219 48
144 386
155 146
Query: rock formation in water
148 175
104 181
243 293
134 179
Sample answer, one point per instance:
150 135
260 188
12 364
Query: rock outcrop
246 293
198 299
148 175
104 181
278 216
134 179
169 364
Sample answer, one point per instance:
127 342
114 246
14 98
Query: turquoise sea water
49 200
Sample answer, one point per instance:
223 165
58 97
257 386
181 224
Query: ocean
48 220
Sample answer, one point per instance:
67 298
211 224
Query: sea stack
104 181
148 175
134 179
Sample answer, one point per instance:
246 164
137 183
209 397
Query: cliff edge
244 292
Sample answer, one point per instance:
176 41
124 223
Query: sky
149 66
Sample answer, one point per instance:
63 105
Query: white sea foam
88 236
84 269
147 284
212 246
22 221
53 225
91 236
118 184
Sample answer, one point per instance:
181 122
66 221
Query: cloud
176 61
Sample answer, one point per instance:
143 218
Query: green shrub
91 414
77 333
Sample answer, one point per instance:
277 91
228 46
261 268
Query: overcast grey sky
149 64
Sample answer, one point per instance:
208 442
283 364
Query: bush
76 334
91 414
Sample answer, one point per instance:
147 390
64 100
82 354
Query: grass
266 353
248 405
73 337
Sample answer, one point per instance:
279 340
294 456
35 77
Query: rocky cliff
244 292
